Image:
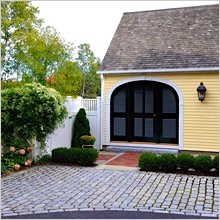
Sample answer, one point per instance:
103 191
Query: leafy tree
32 111
89 65
18 19
43 54
67 79
80 127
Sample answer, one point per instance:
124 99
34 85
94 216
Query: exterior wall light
201 92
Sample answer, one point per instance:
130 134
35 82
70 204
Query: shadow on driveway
106 215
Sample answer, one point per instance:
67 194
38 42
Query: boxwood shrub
185 161
87 156
215 163
148 162
84 157
167 162
203 163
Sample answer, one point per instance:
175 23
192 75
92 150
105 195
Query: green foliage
3 168
60 155
16 153
43 54
185 161
43 159
67 79
84 157
203 163
89 65
148 162
88 140
215 163
18 21
87 157
167 162
80 127
32 111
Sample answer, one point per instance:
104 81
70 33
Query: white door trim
145 78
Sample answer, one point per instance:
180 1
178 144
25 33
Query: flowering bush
30 112
15 156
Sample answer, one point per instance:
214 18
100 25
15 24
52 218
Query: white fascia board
159 70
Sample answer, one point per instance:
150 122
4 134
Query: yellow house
150 75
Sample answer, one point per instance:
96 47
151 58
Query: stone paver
54 188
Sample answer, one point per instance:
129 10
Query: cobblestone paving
62 188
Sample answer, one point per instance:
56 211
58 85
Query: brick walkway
55 188
128 159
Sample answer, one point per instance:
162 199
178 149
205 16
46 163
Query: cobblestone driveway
61 188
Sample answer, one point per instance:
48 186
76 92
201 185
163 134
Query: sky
95 22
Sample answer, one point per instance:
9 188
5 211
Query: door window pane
138 127
149 100
149 127
119 126
120 101
169 128
169 101
138 101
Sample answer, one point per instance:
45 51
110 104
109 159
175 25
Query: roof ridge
166 9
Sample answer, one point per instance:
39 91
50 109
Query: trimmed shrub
203 163
80 127
43 159
185 161
88 140
167 162
215 163
148 162
60 155
87 157
84 157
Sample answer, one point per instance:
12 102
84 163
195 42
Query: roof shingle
165 39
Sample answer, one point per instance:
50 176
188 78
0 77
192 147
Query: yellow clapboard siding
200 119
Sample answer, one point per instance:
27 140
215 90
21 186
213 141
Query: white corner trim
159 70
145 78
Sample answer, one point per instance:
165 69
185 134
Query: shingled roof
179 38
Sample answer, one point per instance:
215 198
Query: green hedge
168 162
203 163
185 161
215 163
84 157
148 162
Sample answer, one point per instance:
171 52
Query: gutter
159 70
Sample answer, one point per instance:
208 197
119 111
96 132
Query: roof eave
208 69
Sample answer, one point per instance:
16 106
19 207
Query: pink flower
22 151
29 149
26 163
29 162
17 166
12 149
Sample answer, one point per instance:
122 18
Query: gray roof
165 39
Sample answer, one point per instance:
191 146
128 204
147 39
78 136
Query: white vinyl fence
62 136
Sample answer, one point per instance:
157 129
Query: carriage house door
144 111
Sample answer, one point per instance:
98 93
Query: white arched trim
153 79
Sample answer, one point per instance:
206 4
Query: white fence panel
62 136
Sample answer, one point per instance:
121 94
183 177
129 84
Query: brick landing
129 159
